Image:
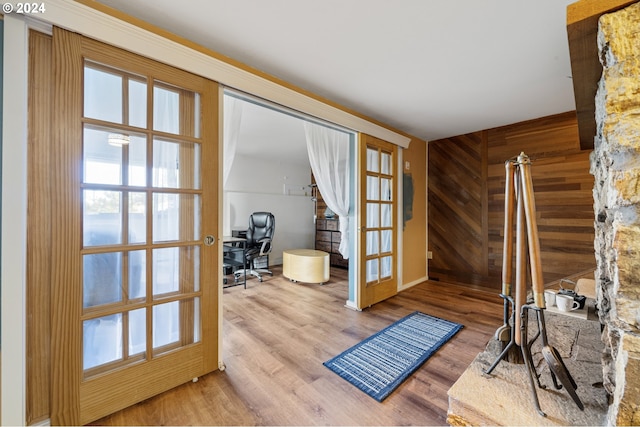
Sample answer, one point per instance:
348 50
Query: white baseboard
412 284
351 305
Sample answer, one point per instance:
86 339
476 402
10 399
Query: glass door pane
141 272
378 218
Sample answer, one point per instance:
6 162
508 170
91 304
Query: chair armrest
265 247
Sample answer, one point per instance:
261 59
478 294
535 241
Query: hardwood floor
277 334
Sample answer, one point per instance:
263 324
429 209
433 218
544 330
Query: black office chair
262 225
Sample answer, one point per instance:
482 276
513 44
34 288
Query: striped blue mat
383 361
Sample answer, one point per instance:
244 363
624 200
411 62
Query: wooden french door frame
77 399
386 284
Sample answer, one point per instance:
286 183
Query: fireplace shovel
556 365
554 361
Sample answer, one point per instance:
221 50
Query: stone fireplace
615 164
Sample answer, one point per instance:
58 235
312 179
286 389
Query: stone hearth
505 398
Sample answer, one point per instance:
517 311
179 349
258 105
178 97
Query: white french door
134 286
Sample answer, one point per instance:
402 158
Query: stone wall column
615 164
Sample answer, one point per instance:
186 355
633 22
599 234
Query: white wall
272 185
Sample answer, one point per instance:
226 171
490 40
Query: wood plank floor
277 334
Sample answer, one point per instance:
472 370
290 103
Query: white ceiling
430 68
269 134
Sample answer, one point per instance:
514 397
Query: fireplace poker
522 315
503 333
512 184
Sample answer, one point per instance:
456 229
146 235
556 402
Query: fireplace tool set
519 202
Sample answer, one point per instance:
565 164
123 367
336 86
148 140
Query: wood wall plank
39 230
460 220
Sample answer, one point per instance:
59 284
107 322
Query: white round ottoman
305 265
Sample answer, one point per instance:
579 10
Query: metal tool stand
519 192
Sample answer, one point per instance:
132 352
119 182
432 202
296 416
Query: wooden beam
582 31
592 9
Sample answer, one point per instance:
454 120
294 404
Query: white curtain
328 151
232 119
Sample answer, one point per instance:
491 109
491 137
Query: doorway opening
267 168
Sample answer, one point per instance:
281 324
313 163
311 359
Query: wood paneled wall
466 200
457 208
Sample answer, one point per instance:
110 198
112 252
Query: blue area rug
383 361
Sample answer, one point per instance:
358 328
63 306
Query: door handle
209 240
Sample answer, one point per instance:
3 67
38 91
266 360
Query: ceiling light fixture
118 140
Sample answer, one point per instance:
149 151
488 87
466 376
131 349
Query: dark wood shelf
328 239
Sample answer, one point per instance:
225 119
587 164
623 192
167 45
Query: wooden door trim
66 239
38 280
